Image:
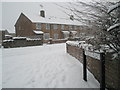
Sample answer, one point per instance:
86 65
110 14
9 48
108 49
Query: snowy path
47 66
0 69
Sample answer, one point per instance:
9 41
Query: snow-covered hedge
89 47
80 44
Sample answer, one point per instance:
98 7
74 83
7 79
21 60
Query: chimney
42 13
71 17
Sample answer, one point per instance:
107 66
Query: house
36 25
4 34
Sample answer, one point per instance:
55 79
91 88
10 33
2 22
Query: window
46 35
38 25
66 36
62 27
55 26
55 36
75 27
78 27
71 27
48 26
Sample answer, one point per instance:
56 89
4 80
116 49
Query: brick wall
21 43
58 41
112 72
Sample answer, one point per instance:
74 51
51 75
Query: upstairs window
78 27
62 27
75 27
55 26
47 26
71 28
38 26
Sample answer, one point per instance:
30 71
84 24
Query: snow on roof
8 35
113 26
74 32
65 32
113 7
36 18
37 32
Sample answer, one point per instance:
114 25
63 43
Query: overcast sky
10 11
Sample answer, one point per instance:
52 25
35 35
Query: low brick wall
58 41
112 72
21 43
34 42
55 41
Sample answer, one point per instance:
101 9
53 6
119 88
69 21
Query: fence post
102 71
84 66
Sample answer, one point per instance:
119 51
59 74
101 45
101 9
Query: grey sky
0 15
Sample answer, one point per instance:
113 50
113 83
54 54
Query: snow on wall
30 39
10 40
19 37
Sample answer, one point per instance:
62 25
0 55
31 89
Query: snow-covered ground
0 69
47 66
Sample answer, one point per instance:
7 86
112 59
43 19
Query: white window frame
38 26
75 27
62 27
71 27
55 26
47 26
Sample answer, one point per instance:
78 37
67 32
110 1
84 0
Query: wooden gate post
102 71
84 66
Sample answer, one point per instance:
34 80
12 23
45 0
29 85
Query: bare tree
114 28
95 15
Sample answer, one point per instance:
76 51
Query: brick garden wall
58 41
112 67
21 43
